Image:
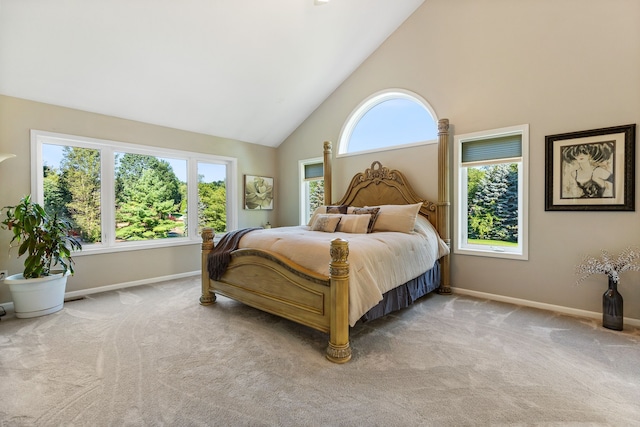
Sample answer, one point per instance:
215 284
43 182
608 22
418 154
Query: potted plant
612 303
47 243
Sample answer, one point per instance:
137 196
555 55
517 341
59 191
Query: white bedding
378 261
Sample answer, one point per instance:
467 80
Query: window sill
491 253
97 249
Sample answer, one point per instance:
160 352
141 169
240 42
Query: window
311 187
491 180
212 196
389 119
122 196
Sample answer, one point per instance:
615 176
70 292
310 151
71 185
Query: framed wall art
258 192
591 170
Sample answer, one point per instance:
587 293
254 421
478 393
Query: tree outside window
112 195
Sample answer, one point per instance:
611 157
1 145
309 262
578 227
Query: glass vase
612 307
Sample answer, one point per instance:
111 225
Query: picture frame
592 170
258 192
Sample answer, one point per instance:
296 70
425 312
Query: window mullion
107 196
192 198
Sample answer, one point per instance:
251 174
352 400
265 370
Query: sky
393 122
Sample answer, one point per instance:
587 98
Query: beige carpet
153 356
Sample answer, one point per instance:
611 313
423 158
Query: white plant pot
37 297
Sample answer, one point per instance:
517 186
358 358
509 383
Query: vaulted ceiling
250 70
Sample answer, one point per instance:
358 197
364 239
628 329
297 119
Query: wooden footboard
272 283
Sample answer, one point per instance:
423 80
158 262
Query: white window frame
460 243
304 188
107 150
365 106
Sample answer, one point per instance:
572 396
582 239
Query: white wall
560 66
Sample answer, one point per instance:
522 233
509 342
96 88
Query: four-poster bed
272 282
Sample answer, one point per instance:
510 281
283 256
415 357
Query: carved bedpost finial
443 126
327 146
207 239
339 253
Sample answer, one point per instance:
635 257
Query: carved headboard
379 185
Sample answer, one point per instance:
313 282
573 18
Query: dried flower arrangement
628 260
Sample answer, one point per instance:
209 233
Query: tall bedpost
207 297
327 173
444 203
338 350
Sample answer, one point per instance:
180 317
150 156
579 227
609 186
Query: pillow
354 224
373 215
399 218
318 210
326 223
339 209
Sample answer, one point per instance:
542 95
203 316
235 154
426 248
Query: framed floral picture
258 192
591 170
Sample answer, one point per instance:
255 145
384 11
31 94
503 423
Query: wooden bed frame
272 283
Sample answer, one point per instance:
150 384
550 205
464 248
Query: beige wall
560 66
19 116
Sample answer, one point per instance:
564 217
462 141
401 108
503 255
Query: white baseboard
543 306
83 292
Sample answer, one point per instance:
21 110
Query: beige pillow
354 224
399 218
326 222
318 210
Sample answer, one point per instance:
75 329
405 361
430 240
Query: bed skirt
404 295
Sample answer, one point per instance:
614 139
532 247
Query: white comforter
378 261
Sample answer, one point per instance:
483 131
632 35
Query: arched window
389 119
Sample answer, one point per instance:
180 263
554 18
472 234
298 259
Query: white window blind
313 171
503 147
